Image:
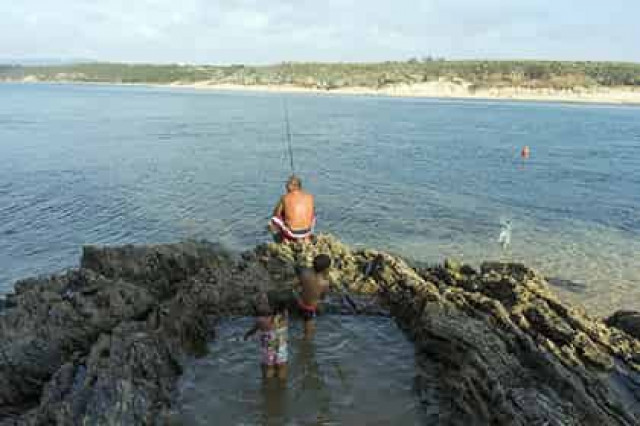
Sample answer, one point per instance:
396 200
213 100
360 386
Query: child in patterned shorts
272 326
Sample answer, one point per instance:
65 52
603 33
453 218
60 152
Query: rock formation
627 321
105 344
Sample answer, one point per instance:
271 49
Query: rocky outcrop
627 321
507 350
127 378
105 344
55 320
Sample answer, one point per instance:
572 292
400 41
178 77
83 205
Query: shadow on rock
568 285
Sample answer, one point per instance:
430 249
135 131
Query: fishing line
288 134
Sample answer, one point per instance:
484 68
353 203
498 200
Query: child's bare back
314 283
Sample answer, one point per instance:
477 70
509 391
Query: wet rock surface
628 321
105 344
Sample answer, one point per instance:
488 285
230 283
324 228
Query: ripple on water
424 178
357 370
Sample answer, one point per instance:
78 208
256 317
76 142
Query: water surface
356 371
423 178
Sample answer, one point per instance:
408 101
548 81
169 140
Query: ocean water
423 178
355 371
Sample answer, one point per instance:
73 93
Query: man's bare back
294 215
298 209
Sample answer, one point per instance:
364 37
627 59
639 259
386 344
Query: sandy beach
443 89
447 89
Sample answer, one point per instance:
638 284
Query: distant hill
475 75
44 62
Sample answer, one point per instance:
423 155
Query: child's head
271 303
262 305
321 264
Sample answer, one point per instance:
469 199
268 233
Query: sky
272 31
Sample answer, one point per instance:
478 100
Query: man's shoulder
290 196
307 197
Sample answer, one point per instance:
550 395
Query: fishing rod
288 134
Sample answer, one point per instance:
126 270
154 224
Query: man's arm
313 203
277 211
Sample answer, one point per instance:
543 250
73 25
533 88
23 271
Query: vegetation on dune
479 74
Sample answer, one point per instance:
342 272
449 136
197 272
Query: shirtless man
294 215
314 283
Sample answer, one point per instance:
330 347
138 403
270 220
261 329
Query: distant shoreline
429 90
447 90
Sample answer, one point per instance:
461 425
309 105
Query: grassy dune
476 74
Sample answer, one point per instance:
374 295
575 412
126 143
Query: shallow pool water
355 371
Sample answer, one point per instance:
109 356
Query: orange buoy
525 152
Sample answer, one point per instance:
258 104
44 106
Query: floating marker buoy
525 152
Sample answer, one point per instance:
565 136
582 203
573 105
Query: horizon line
424 59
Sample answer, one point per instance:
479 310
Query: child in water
272 326
314 284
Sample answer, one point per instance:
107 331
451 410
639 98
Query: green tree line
481 74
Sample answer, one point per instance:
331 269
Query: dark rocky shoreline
105 344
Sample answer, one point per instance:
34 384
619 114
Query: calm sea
423 178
